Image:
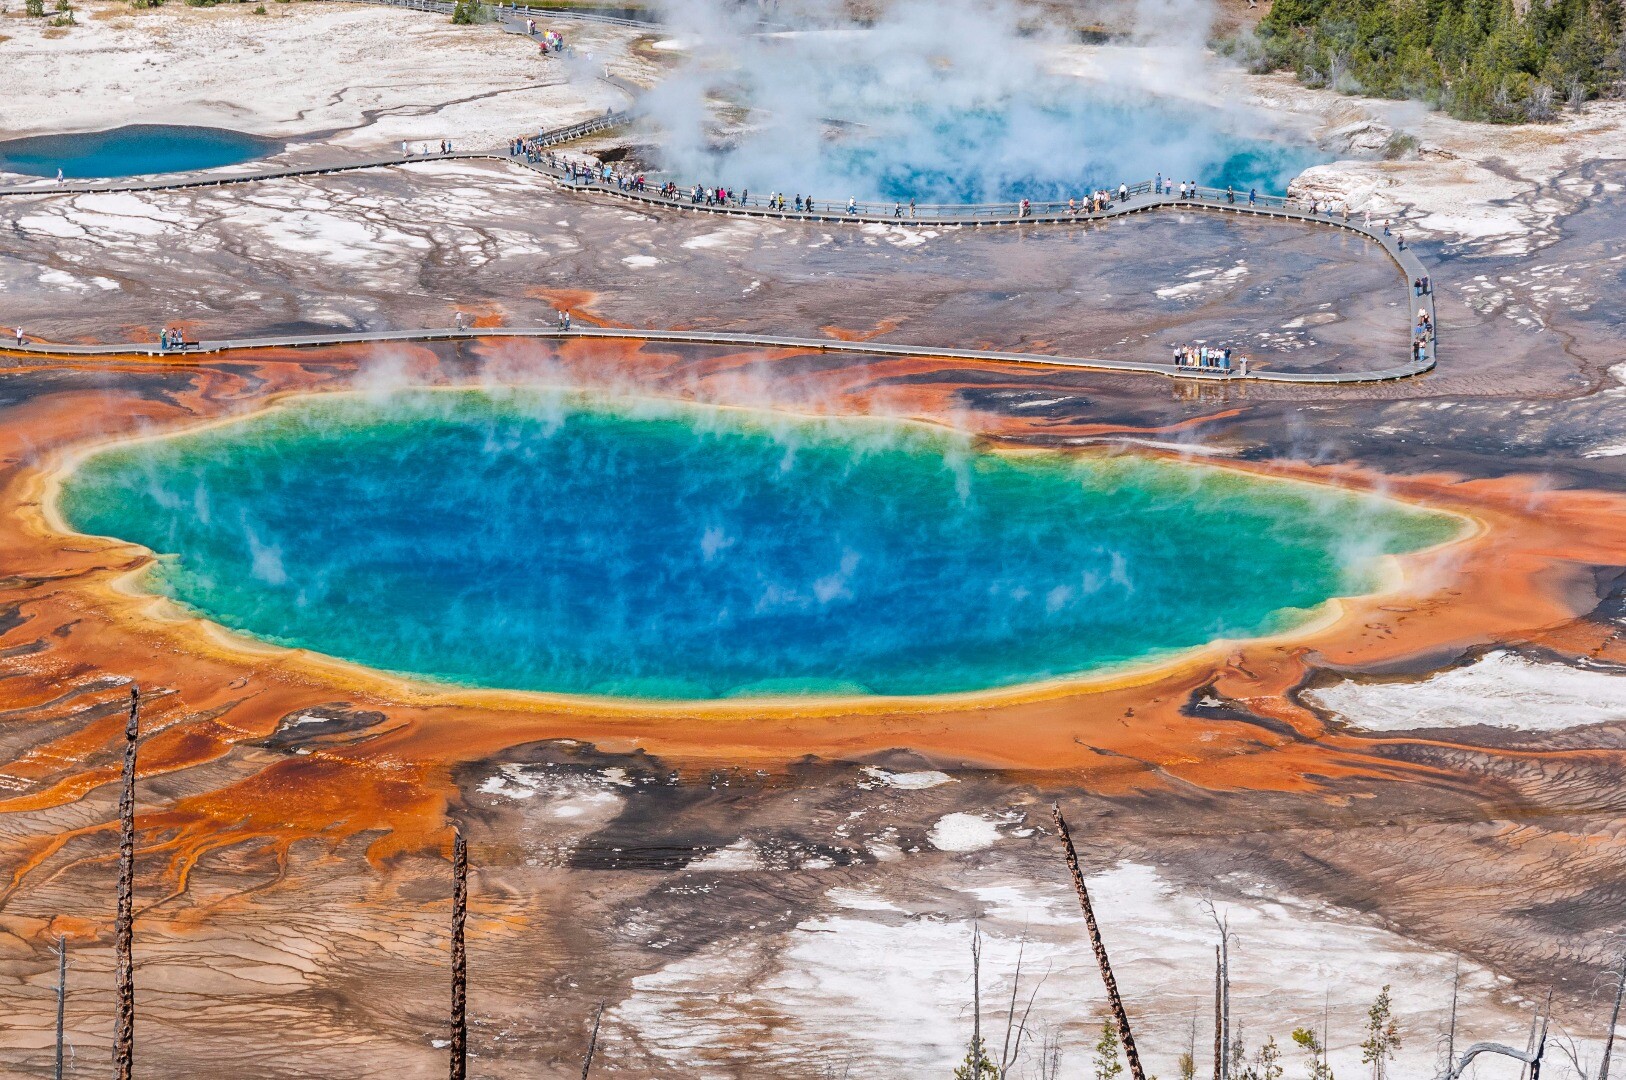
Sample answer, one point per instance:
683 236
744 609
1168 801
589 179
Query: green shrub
36 8
470 12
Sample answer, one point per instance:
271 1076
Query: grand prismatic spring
539 543
610 541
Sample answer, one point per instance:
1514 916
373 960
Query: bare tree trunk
460 971
124 924
1219 1014
1530 1047
592 1041
1614 1018
1541 1040
976 1001
1451 1031
1125 1036
61 999
1225 994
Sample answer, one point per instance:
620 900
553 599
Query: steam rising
947 102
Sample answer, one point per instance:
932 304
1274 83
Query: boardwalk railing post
124 924
1125 1036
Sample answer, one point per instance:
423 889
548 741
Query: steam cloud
948 101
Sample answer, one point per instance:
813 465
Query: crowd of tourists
1422 335
443 147
1206 358
171 337
551 41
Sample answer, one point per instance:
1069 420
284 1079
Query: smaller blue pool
135 150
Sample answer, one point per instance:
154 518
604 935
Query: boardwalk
1141 198
688 337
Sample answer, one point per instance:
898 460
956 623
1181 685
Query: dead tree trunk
1614 1018
1451 1030
124 925
1126 1036
592 1041
1219 1015
61 1000
1225 995
460 971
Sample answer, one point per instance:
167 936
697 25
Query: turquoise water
132 151
536 541
1055 150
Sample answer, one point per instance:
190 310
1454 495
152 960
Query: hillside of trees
1496 60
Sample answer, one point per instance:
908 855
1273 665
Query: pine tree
1382 1035
1107 1064
977 1064
1310 1043
1268 1064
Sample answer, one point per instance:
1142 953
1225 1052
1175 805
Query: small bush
470 12
1399 145
36 8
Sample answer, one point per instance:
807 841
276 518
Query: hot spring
956 101
538 540
135 150
1047 151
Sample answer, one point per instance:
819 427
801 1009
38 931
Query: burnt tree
124 925
460 967
1118 1014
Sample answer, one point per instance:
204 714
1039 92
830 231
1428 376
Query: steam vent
808 540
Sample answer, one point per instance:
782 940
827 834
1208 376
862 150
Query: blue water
136 150
1054 151
544 542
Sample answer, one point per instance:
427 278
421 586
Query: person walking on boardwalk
19 336
1253 196
852 204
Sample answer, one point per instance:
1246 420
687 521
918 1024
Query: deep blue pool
136 150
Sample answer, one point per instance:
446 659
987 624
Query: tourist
59 176
457 320
1123 192
19 335
911 209
1230 194
897 210
852 204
